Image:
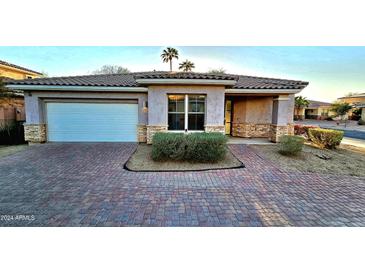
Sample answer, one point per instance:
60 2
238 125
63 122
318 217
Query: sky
331 71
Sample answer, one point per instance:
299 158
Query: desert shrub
302 129
290 144
361 122
325 138
168 146
195 147
205 147
11 133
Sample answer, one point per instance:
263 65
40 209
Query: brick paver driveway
86 185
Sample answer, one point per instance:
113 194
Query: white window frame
186 113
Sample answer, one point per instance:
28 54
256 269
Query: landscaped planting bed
349 161
184 152
142 160
194 147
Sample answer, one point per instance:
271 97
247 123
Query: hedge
12 133
325 138
290 144
193 147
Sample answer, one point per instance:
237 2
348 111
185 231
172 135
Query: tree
44 74
352 94
111 69
218 71
168 54
300 103
186 66
341 109
4 91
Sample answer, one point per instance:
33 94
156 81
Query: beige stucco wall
35 105
157 102
252 109
352 100
16 74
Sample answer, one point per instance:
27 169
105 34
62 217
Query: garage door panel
92 122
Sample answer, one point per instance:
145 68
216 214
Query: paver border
242 165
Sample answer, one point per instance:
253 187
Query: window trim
186 112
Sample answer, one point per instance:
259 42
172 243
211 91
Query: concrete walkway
353 142
248 141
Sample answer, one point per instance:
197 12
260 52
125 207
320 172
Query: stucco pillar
157 112
34 127
363 113
215 111
281 119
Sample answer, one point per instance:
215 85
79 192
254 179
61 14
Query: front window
196 112
176 112
186 112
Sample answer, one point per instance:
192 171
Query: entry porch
259 116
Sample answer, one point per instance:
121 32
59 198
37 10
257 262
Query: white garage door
92 122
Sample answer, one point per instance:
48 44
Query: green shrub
325 138
168 146
205 147
361 122
11 133
194 147
290 144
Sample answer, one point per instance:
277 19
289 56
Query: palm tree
300 102
186 66
168 54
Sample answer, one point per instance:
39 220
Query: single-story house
132 107
316 110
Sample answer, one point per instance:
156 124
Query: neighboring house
357 101
134 106
12 71
12 108
316 110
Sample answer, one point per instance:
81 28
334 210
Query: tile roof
356 95
316 104
129 80
186 75
18 67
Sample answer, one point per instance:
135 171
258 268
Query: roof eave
262 91
75 88
31 72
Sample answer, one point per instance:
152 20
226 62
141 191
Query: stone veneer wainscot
142 133
277 131
215 128
35 133
151 130
250 130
